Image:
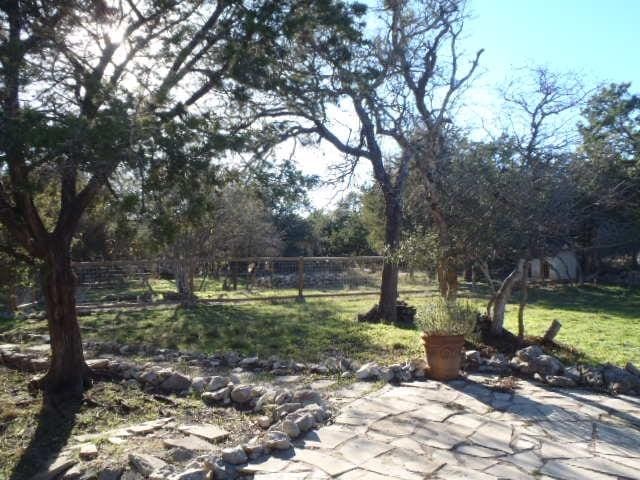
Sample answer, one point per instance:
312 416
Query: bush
442 317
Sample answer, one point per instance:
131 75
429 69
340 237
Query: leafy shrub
443 317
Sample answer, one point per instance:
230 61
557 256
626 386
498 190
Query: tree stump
552 331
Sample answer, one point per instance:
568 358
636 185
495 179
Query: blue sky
596 39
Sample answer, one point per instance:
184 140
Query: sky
598 40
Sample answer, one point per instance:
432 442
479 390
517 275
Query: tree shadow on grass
55 423
305 332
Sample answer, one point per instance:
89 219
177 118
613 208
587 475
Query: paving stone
327 437
470 403
564 431
360 474
607 466
526 442
209 432
431 430
190 442
359 450
478 451
507 471
628 461
402 461
470 420
390 470
551 449
451 472
528 461
435 435
565 471
408 444
282 476
435 412
495 436
268 465
325 461
400 425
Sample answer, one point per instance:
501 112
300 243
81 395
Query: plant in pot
444 325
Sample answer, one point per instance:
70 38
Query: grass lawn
602 323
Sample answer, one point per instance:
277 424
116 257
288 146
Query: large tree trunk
184 273
502 297
389 285
68 373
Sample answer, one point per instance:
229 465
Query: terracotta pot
444 355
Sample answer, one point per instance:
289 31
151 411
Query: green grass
602 323
306 332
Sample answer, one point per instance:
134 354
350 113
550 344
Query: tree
385 76
606 170
84 86
535 198
427 81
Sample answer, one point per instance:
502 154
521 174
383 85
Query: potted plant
444 324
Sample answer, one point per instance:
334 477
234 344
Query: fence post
300 279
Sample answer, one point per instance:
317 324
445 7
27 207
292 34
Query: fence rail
161 281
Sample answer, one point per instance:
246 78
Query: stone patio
465 429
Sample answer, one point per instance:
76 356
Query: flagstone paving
467 430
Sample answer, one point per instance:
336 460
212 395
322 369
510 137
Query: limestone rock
619 380
368 371
216 383
88 451
176 382
533 360
277 440
150 377
250 362
241 393
198 384
191 474
110 473
234 455
291 428
209 432
307 396
264 421
304 421
560 381
287 408
221 396
254 448
145 464
283 397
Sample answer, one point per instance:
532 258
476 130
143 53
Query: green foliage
342 232
607 167
446 317
373 216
